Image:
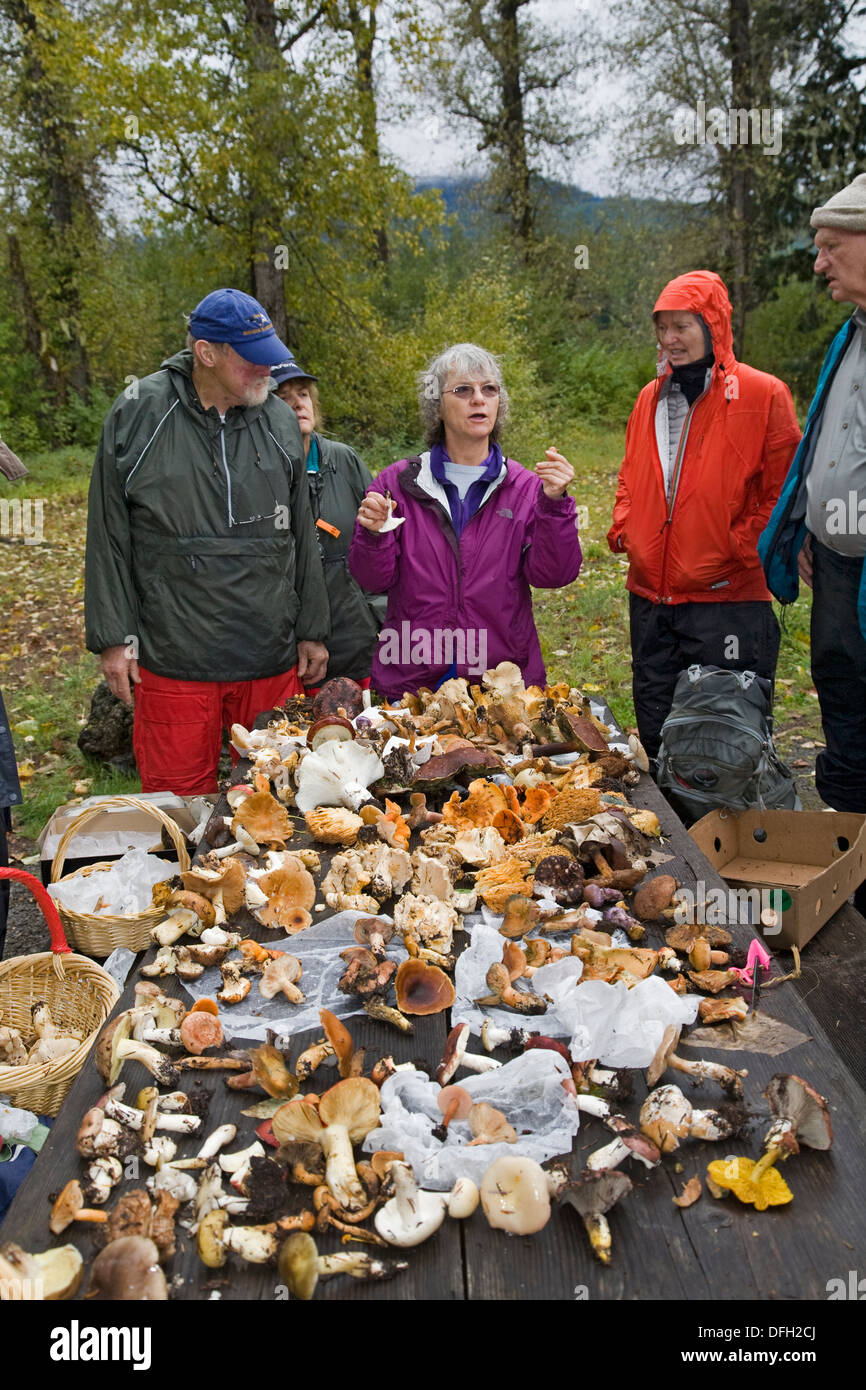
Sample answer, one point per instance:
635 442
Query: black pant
668 637
5 824
839 673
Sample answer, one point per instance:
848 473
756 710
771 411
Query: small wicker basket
101 933
79 993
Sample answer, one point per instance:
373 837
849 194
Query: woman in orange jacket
708 446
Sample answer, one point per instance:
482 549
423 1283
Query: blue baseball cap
290 371
230 316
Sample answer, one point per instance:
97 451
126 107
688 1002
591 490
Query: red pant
177 734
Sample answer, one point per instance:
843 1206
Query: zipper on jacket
231 520
675 484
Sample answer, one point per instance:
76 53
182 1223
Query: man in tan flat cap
818 528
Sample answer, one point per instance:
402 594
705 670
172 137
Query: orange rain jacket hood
699 544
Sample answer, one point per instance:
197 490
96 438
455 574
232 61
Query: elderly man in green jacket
203 584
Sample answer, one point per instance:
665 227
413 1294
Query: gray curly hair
463 359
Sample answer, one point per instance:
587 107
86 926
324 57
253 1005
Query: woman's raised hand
555 473
374 511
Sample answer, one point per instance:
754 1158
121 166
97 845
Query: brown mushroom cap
521 915
340 1039
514 960
595 1192
281 971
263 817
452 1056
221 875
291 890
128 1270
69 1206
196 902
354 1103
489 1126
339 695
423 989
328 727
366 928
668 1044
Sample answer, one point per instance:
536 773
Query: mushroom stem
598 1230
473 1062
593 1105
377 1008
764 1162
727 1077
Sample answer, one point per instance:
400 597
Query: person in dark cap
817 531
338 480
707 446
204 592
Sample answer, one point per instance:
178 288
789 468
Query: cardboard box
815 859
113 832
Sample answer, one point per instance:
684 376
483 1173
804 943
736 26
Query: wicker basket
79 994
100 934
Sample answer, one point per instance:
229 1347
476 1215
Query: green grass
61 473
45 722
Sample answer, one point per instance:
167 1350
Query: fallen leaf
757 1033
801 762
690 1193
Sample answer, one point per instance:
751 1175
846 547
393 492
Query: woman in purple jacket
455 537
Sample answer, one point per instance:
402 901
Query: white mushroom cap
412 1214
515 1195
463 1198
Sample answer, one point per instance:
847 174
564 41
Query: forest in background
152 154
149 156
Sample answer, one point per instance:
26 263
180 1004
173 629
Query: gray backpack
717 746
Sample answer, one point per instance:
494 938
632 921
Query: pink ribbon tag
757 952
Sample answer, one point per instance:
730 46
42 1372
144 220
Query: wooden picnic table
712 1250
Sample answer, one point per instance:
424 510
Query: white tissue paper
529 1093
318 949
621 1027
16 1126
125 889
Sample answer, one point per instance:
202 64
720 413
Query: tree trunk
514 128
267 262
739 182
67 205
363 39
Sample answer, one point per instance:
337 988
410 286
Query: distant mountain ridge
564 204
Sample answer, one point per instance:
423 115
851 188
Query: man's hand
374 511
119 670
555 473
312 662
804 561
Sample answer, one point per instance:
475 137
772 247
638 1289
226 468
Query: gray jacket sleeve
110 605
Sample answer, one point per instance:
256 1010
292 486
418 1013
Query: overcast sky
425 148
